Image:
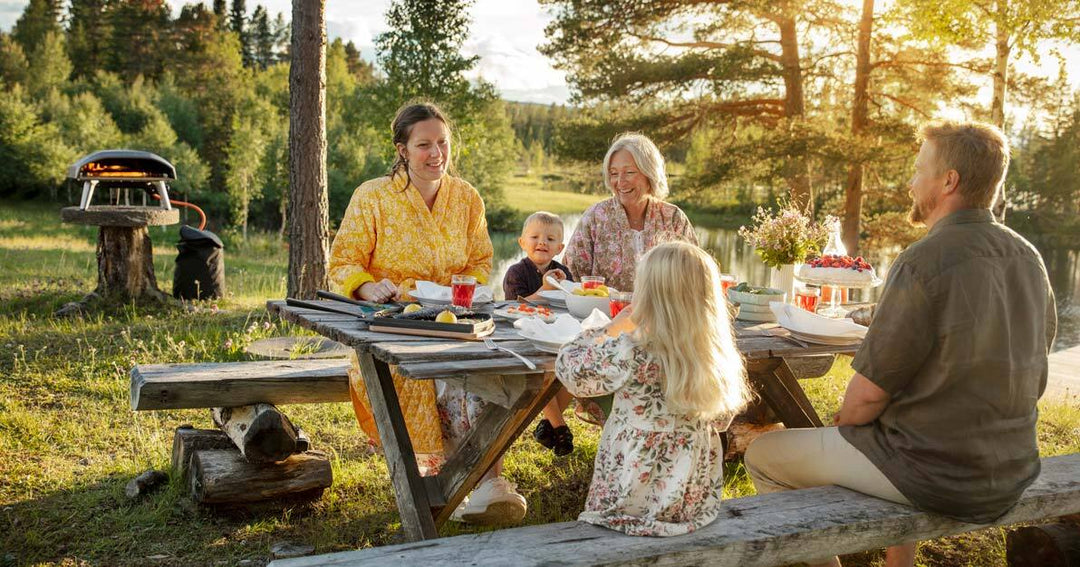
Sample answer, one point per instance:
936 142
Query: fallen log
1046 545
187 440
261 432
223 476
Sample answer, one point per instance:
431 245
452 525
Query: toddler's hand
556 273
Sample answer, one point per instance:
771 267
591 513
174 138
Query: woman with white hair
614 234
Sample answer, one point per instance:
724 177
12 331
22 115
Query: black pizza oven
123 170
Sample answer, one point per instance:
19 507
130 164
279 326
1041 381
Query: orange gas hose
202 215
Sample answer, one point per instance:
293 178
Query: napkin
432 290
563 330
802 321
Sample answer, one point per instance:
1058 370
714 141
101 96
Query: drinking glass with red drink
461 290
807 298
592 282
618 300
726 281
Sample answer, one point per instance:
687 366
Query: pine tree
263 40
38 19
238 24
139 43
88 36
220 7
282 37
362 70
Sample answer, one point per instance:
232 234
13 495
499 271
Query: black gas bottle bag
200 265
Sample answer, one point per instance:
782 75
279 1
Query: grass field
526 193
70 442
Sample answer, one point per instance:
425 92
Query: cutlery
491 345
322 307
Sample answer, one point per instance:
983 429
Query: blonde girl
670 361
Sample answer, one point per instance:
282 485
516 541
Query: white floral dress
656 474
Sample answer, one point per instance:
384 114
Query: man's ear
952 182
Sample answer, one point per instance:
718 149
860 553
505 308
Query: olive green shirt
959 340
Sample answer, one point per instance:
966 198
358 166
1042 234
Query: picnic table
517 394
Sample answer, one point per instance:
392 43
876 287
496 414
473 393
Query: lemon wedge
412 308
446 317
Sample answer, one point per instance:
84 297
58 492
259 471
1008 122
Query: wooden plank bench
764 530
230 384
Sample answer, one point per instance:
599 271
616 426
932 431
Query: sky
504 33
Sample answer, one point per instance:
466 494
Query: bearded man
941 411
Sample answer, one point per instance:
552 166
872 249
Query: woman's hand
621 323
556 273
379 292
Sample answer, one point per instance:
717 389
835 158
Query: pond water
738 258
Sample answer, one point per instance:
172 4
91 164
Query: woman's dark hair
408 116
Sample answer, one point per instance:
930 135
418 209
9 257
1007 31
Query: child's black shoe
545 434
563 443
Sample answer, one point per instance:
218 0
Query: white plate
505 313
428 302
555 297
546 346
823 339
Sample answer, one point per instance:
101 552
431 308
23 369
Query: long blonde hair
683 322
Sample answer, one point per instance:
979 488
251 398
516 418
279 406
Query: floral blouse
604 244
656 473
388 232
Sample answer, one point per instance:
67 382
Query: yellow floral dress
389 232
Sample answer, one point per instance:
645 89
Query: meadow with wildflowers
69 441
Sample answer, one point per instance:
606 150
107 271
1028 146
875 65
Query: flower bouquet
785 238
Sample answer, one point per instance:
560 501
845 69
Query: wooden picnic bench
517 393
757 531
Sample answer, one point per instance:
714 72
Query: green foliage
34 157
13 64
88 36
49 67
39 18
139 38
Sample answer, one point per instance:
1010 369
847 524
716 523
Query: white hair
647 157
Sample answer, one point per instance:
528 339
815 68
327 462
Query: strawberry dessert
838 270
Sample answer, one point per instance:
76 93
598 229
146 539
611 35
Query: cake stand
833 309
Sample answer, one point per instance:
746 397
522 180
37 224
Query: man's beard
920 210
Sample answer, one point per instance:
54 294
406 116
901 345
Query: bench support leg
490 437
412 498
773 379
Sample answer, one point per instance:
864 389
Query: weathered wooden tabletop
427 357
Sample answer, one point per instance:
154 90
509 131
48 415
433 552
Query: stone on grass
286 549
145 483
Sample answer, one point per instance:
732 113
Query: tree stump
261 432
188 440
124 251
223 477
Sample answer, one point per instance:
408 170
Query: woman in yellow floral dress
421 223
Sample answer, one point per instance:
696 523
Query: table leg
773 379
412 498
489 439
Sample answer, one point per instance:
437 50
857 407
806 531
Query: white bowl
581 306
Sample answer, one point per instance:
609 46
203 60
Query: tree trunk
1001 77
853 193
309 249
797 169
126 263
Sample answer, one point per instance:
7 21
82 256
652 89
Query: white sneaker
494 502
